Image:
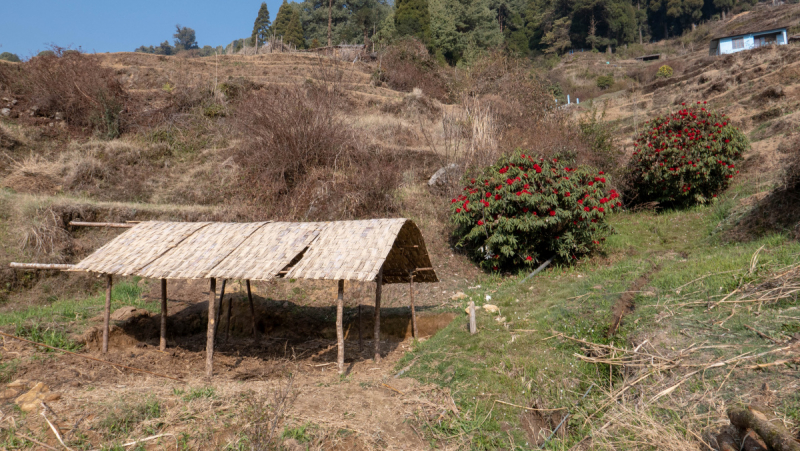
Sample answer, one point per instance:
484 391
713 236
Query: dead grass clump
407 64
72 84
44 233
301 160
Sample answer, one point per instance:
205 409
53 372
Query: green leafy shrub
664 72
685 158
605 81
524 209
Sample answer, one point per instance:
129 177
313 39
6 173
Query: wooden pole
378 288
473 327
212 307
162 345
107 313
117 225
228 318
219 310
360 321
252 308
413 311
16 265
339 328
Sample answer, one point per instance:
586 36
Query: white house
723 45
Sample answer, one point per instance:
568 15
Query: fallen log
775 436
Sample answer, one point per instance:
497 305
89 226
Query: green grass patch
531 368
195 393
123 417
65 310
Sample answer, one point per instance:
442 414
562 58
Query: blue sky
28 26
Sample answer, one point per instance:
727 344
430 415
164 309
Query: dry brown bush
88 95
407 64
301 160
779 211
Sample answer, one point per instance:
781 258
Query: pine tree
261 25
412 19
443 34
294 32
282 19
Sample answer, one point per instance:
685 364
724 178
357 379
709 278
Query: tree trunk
330 20
774 434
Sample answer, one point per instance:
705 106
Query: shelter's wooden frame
381 250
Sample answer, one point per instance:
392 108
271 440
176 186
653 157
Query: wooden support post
339 328
360 338
252 308
413 311
228 318
212 307
219 310
107 313
378 289
162 345
473 327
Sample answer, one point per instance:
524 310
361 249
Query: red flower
494 268
510 181
580 201
601 210
480 222
458 210
503 170
566 194
587 209
525 210
529 258
591 183
552 213
488 194
497 197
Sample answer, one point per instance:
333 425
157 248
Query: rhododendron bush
687 157
526 209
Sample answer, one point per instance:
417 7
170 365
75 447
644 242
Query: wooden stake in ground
413 311
212 307
773 433
252 308
162 345
107 313
473 327
360 338
378 288
228 318
219 310
339 328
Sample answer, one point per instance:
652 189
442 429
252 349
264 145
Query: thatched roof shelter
379 250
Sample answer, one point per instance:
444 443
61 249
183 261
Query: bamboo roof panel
352 250
138 246
268 251
197 255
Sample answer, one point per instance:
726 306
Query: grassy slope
531 368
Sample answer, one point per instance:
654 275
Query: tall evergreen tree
294 31
412 18
282 19
261 25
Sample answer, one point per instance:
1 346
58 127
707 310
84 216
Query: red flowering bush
525 209
686 158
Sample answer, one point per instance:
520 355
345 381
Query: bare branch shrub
265 412
302 160
71 83
407 64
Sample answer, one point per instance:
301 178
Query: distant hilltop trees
185 39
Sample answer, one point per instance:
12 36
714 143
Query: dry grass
75 85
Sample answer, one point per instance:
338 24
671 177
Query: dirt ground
368 408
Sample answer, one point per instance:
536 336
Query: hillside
643 346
